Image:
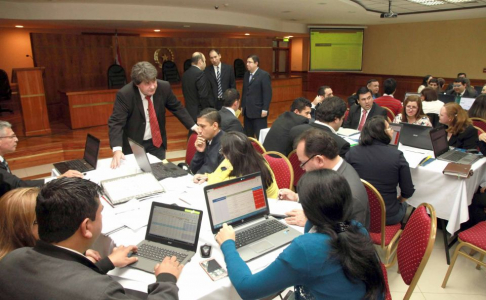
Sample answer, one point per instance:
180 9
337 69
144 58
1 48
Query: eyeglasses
389 129
457 85
35 222
221 151
304 163
8 137
411 107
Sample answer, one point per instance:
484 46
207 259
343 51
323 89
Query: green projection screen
336 49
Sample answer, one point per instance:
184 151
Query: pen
102 196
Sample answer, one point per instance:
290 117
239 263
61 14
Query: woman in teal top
335 259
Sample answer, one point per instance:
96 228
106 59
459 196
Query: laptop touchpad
261 246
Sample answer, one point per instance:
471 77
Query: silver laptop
442 151
172 231
160 170
395 139
416 136
89 161
242 203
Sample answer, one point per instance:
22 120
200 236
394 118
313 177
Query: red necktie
154 124
363 120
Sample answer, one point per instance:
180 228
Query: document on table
347 132
414 156
123 189
280 207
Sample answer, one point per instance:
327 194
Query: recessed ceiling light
428 2
351 12
247 34
460 1
157 30
19 26
322 3
290 36
186 26
286 11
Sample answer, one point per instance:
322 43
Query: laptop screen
140 156
438 137
174 223
236 200
91 150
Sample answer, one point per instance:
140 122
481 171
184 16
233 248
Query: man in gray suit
316 150
229 111
68 212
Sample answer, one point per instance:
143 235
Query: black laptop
447 98
89 161
416 136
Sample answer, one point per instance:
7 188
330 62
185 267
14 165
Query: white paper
280 207
347 131
466 103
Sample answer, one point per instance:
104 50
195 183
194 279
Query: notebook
397 128
161 170
416 136
171 231
242 203
442 151
89 161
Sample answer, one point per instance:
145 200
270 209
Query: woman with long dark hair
478 109
240 159
425 83
335 259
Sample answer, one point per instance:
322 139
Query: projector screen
336 49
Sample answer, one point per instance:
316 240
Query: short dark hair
441 82
63 204
255 58
196 57
318 142
300 104
330 109
374 129
435 80
361 91
459 74
425 79
230 96
211 115
322 90
389 86
371 80
429 94
215 50
461 80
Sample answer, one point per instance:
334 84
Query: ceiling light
286 11
290 36
186 26
247 34
428 2
19 26
157 30
460 1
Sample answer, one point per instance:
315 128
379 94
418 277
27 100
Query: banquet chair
381 234
478 122
385 276
191 148
475 239
389 113
282 169
256 144
415 246
479 130
298 171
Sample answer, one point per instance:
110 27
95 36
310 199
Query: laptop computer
397 128
466 102
411 94
89 160
160 170
447 98
442 151
242 203
171 231
416 136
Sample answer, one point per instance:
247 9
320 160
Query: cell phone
213 269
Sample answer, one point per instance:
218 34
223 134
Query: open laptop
466 103
172 231
407 94
89 161
416 136
447 98
242 203
442 151
160 170
397 128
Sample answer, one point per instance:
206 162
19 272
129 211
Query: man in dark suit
221 77
139 114
366 108
329 117
196 87
256 97
68 214
373 85
460 89
316 150
278 137
229 121
322 93
8 144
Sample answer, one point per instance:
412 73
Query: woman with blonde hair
460 131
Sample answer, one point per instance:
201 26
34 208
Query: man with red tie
139 114
366 108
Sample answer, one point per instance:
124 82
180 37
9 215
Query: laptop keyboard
158 254
454 155
78 165
258 232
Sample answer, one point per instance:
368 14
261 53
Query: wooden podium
32 100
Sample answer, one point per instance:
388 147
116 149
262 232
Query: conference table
193 283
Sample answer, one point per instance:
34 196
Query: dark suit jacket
227 78
355 115
278 137
10 181
257 94
128 117
209 160
384 167
465 140
469 93
51 272
197 91
342 145
229 122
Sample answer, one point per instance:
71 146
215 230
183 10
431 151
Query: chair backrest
389 113
191 148
478 122
434 119
116 76
480 131
282 169
170 72
240 68
187 64
256 144
377 210
298 171
416 244
5 90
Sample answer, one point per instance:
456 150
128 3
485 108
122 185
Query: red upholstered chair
282 169
385 236
346 114
478 122
475 239
479 130
298 171
191 148
385 275
415 245
389 114
256 144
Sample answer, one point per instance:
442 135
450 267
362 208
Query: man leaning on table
139 114
69 219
